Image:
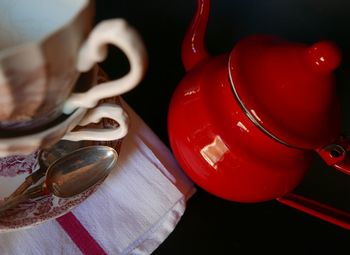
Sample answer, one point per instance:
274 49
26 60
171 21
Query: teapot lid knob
324 56
288 88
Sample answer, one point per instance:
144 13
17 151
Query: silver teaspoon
45 159
71 175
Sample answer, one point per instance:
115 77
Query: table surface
212 225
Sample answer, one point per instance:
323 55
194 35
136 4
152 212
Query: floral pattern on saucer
34 212
18 164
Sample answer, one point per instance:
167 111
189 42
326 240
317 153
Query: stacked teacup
51 94
46 49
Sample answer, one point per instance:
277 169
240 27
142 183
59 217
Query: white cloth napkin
132 212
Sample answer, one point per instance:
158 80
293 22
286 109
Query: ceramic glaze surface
22 25
33 83
220 148
287 89
63 128
39 67
245 125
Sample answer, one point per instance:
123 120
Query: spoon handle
29 180
34 192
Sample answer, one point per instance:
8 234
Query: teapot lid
288 89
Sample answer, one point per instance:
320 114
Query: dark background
211 225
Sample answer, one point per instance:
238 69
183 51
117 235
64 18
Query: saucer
28 214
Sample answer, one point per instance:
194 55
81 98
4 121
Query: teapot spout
193 48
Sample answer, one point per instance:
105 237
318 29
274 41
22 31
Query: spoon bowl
46 158
80 170
71 175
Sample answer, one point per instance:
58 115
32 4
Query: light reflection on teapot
245 125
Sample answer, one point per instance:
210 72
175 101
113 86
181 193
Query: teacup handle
114 112
118 33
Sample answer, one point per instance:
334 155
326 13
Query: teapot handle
335 154
317 209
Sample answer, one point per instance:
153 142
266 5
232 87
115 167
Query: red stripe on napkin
79 235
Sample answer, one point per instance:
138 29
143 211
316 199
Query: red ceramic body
222 112
220 148
287 89
245 125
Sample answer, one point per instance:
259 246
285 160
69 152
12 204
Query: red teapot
245 125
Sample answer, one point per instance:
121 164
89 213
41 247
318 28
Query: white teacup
62 128
44 46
